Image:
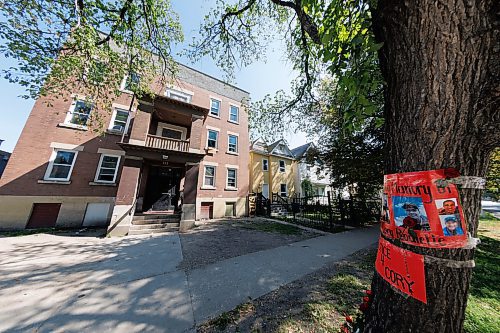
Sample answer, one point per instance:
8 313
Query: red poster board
402 269
417 211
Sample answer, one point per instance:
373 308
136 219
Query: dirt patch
223 239
314 303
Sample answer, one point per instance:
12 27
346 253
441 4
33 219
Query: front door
265 190
162 190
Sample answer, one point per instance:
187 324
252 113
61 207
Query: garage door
43 215
207 210
230 209
96 215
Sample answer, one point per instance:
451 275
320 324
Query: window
107 169
132 82
171 133
167 130
232 144
119 120
231 178
283 190
214 107
212 139
178 95
265 165
60 165
209 176
282 166
79 113
234 114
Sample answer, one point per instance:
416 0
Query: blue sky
259 79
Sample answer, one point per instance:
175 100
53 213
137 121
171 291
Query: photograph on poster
385 209
447 206
451 225
409 212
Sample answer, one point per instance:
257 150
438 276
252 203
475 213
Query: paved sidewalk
61 284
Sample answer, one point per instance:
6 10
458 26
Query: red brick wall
29 160
31 155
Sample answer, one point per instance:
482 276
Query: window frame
218 111
181 129
266 164
282 170
113 119
286 190
99 166
204 185
235 187
237 121
216 140
50 166
123 86
229 143
71 112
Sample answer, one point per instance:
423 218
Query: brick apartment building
185 153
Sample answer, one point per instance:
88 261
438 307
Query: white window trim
266 169
66 146
124 82
237 144
210 109
181 129
71 110
51 165
122 85
279 166
183 93
238 114
113 117
286 190
218 138
227 179
111 152
209 187
96 180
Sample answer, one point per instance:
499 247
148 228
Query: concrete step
156 221
154 226
151 231
138 217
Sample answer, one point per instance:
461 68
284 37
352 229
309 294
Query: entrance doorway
265 190
162 189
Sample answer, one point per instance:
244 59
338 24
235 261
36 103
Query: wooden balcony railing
160 142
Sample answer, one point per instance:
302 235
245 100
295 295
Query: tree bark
440 60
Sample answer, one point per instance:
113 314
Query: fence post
342 211
268 204
330 216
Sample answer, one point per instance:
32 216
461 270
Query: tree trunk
441 65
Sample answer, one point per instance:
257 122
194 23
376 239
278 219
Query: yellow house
273 169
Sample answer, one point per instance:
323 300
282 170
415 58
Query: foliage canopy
87 46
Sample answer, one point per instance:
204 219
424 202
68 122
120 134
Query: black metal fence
325 213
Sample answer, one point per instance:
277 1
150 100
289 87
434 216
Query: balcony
159 142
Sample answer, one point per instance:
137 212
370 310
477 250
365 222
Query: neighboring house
184 152
311 167
272 169
4 158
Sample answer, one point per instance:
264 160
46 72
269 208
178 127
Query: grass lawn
273 227
483 306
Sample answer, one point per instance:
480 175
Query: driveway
64 284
